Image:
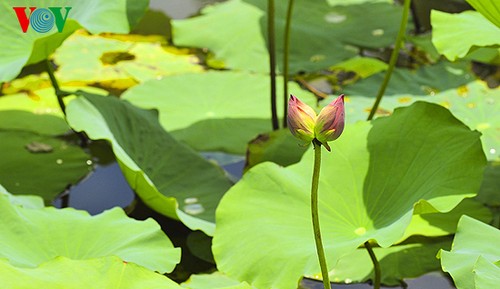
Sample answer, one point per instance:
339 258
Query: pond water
106 187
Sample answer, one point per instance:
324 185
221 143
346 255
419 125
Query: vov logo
42 20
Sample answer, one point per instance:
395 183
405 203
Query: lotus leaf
31 237
473 253
169 177
454 35
62 273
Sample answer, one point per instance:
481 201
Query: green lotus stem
315 214
393 59
59 93
376 265
286 51
272 62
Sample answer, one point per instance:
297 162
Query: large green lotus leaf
214 111
486 274
30 237
215 280
169 177
454 35
419 160
394 262
33 159
474 239
488 8
321 35
63 273
231 30
79 58
19 49
96 58
27 201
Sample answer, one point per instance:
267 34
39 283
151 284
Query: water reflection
104 189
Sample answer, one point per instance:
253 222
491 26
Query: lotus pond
146 145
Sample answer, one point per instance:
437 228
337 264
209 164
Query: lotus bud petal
301 119
330 122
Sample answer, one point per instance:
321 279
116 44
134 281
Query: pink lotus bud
330 122
305 125
301 119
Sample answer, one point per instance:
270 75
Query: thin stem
272 62
286 51
393 59
315 215
59 93
1 88
376 265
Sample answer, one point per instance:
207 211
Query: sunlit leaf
474 249
27 201
169 177
31 237
419 160
63 273
454 35
28 83
486 274
97 59
363 66
488 8
42 101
